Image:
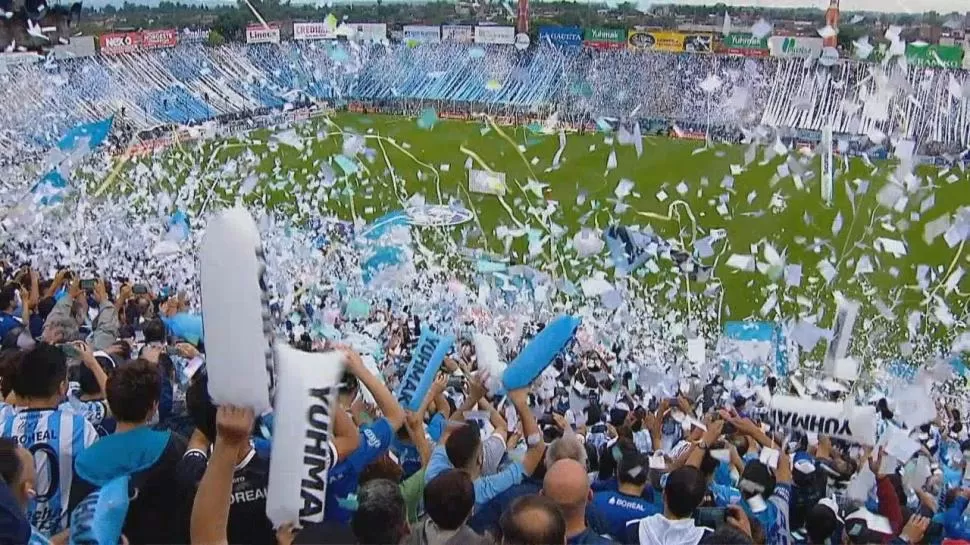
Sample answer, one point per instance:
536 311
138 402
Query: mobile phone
70 350
457 383
139 289
710 517
88 284
172 351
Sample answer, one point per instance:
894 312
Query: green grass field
760 208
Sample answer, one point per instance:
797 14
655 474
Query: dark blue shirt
342 478
588 537
617 509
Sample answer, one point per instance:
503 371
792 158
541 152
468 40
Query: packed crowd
98 383
192 83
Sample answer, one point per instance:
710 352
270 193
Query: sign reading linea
262 34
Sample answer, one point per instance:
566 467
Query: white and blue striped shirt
53 437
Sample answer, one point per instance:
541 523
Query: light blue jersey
53 437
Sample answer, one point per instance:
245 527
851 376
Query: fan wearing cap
617 508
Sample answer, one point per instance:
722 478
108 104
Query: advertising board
670 41
795 46
605 38
117 43
369 32
262 34
422 34
494 35
745 44
194 35
460 34
561 36
158 39
79 46
935 56
313 31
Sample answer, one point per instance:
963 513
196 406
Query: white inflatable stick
302 451
486 353
235 313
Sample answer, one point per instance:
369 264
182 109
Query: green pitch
405 159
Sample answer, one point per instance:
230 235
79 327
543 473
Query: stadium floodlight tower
832 20
523 18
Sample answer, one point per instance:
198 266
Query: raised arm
210 512
495 418
530 429
385 400
696 455
346 436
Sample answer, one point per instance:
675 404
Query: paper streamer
426 358
629 248
238 341
100 517
539 353
302 453
853 423
844 322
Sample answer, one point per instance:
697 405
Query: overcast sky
942 6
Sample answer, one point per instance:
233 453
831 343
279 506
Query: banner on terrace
643 40
422 34
459 34
605 38
158 39
117 43
745 44
369 32
794 46
699 43
494 35
262 34
79 46
561 36
194 35
935 56
313 31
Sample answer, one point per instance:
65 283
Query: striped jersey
53 437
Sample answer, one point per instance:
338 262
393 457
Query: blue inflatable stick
426 359
185 326
100 517
539 353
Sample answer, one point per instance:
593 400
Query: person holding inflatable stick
375 439
461 447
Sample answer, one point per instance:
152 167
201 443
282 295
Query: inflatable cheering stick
235 313
303 452
539 353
